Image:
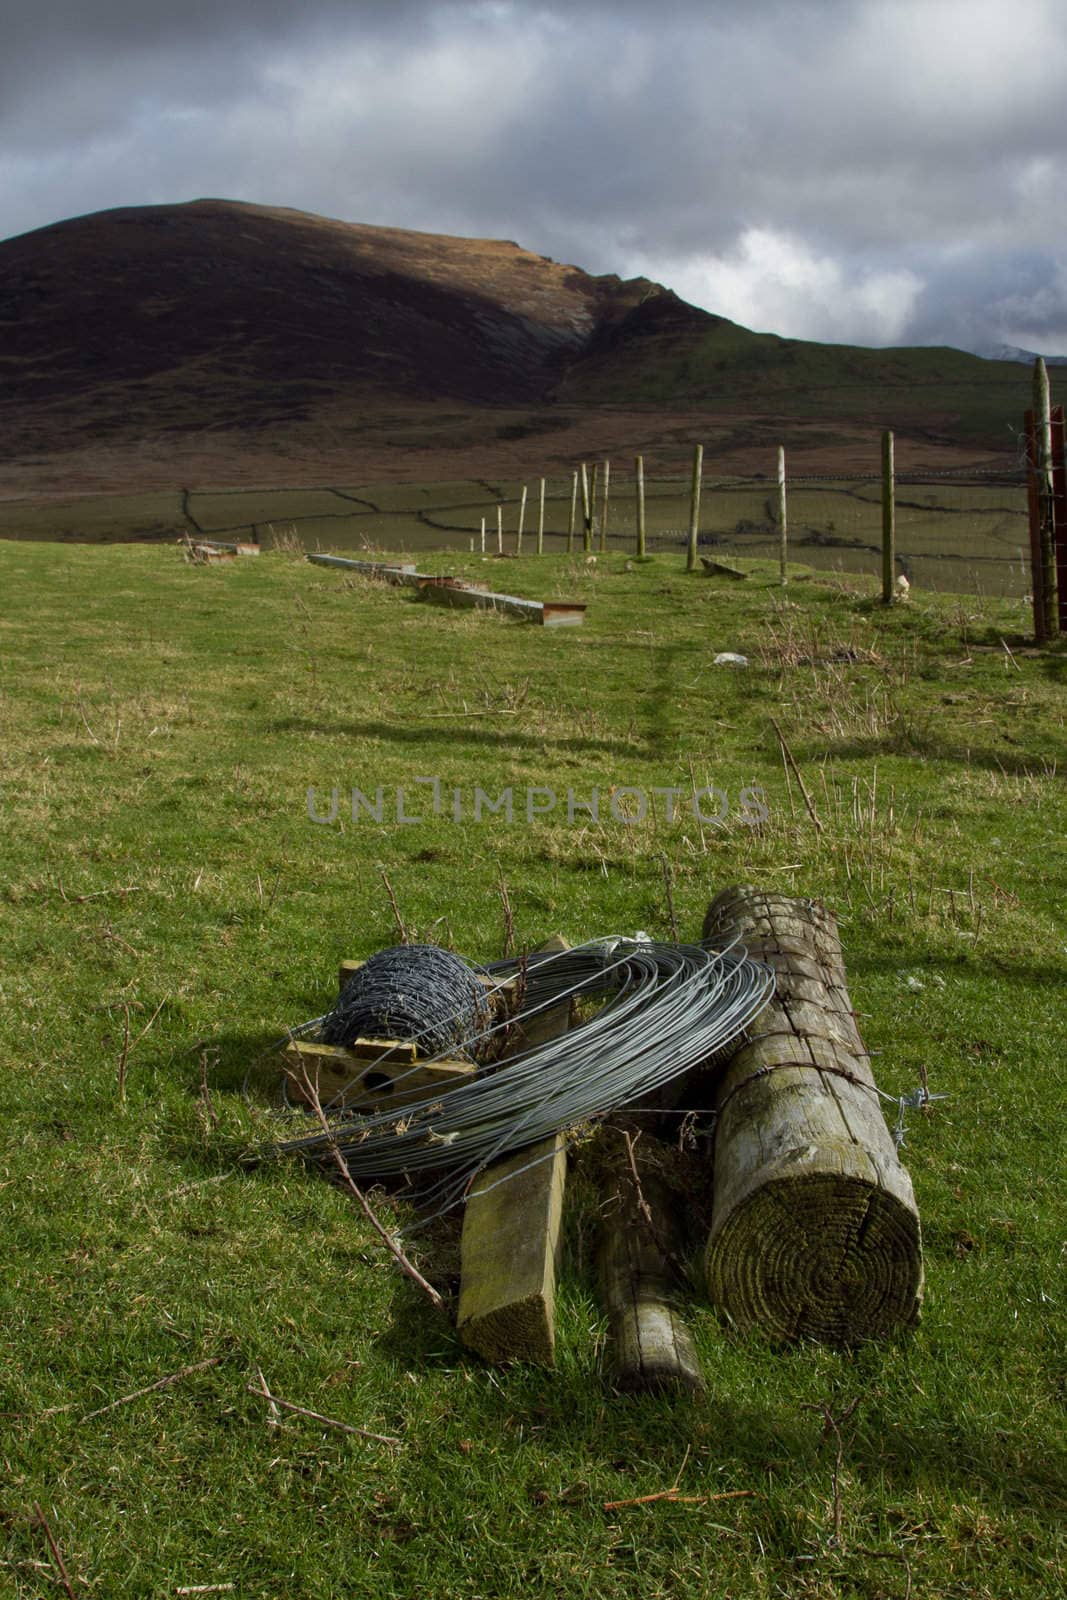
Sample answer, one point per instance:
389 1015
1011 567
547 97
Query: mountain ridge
126 329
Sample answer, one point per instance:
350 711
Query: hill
234 337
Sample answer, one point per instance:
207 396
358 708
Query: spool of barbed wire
414 992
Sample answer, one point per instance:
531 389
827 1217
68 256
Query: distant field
953 536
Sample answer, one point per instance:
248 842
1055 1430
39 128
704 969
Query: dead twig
669 886
509 920
57 1554
317 1416
205 1588
398 919
100 894
205 1098
274 1420
304 1083
789 756
679 1499
832 1428
160 1383
125 1054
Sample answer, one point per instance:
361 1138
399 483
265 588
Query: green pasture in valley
168 908
968 536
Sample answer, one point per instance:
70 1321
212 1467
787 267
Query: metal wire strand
665 1009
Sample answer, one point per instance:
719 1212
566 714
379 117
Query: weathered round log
652 1348
815 1232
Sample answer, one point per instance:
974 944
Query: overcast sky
867 171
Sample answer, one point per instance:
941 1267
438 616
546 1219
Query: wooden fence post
594 483
888 520
694 508
541 520
574 512
604 512
1043 469
500 530
640 466
782 524
587 514
522 519
1059 512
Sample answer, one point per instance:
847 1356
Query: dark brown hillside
234 304
218 341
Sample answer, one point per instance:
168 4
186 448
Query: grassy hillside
169 907
665 353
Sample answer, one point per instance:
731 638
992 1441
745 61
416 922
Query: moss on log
815 1232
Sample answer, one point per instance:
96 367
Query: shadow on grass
928 747
483 738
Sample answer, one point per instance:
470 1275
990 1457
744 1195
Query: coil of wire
665 1008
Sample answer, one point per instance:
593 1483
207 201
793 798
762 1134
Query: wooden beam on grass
510 1242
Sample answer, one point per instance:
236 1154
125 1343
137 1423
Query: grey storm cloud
877 171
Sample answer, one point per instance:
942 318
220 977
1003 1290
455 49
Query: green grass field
168 908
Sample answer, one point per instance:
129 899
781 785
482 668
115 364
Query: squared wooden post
1059 513
782 526
694 508
889 526
604 512
574 512
510 1242
640 468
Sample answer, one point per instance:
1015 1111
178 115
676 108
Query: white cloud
776 283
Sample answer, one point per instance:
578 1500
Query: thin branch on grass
832 1428
160 1383
304 1083
205 1097
317 1416
57 1554
125 1054
669 885
88 730
789 756
675 1498
205 1588
274 1419
398 919
100 894
509 920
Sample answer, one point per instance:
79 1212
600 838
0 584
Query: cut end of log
826 1257
522 1330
